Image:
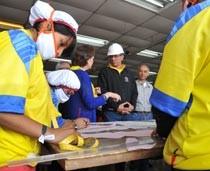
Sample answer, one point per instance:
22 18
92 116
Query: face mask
62 97
45 43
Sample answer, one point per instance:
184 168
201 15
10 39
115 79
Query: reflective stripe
25 47
167 103
186 16
12 104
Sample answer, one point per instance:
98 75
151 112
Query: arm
134 93
30 127
86 93
164 122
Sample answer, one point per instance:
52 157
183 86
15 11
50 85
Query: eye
62 43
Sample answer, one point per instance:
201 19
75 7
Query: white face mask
62 97
45 43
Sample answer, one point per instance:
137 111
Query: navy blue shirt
82 103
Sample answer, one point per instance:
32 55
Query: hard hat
115 49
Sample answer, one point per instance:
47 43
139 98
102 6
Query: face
143 73
90 62
116 60
58 42
62 42
68 91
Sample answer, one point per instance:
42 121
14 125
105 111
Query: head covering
41 11
115 49
63 77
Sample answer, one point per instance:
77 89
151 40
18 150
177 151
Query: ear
46 26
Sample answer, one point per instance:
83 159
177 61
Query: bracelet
42 137
44 129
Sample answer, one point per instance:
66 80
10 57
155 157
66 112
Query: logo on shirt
126 79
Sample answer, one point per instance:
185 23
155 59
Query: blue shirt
83 103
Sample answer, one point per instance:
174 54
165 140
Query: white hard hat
115 49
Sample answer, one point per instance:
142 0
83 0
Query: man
118 79
181 95
143 106
26 107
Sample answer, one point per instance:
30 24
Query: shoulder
23 44
129 72
82 75
104 71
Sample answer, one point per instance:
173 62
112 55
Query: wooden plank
74 164
107 156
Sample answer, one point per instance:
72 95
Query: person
181 95
83 103
26 107
65 83
62 65
116 77
143 106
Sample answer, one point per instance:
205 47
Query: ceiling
135 28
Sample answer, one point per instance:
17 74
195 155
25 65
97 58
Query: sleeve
60 121
16 53
86 94
134 93
182 61
164 121
102 83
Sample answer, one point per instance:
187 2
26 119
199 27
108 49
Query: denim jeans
114 116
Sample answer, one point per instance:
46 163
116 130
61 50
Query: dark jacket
123 83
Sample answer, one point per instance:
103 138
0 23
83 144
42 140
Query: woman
83 103
26 107
64 83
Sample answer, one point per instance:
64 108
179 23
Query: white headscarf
42 11
63 77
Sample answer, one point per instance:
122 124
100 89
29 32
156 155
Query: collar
119 69
144 83
76 67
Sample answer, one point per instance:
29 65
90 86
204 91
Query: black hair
58 27
68 53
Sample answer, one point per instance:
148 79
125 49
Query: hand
131 107
122 109
154 134
98 90
116 97
81 123
125 108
